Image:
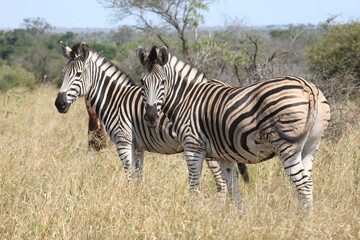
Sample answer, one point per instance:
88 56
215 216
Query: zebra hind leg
293 165
308 154
312 144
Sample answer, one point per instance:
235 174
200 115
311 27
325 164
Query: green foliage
282 34
14 43
126 58
123 35
336 52
69 38
108 51
175 14
237 54
194 17
232 56
5 49
14 76
36 60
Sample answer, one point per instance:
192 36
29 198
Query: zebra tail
310 120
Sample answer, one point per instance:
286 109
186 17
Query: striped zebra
284 116
119 104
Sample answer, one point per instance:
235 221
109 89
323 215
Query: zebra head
153 81
74 75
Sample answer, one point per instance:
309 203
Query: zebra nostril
151 114
61 103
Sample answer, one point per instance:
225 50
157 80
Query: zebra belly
243 148
259 153
157 142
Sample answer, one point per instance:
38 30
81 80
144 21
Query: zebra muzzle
151 116
61 104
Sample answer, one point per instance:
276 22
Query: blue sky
89 13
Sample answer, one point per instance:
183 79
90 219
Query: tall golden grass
53 187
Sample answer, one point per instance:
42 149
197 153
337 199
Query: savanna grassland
53 187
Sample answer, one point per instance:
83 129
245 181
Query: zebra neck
102 68
183 78
105 79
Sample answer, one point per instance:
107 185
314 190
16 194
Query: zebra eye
78 74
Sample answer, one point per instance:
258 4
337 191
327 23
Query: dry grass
53 187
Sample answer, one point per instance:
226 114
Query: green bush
337 51
107 50
14 76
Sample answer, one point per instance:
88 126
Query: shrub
107 50
14 76
336 52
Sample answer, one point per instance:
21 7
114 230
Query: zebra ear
65 50
163 56
142 55
84 50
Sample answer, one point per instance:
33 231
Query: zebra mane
153 55
153 58
172 55
75 53
94 52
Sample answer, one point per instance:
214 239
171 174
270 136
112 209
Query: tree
37 60
123 35
68 37
176 14
107 50
218 56
35 26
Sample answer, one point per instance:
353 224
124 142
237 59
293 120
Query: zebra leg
127 156
139 164
310 148
308 158
231 175
243 171
194 160
294 168
219 177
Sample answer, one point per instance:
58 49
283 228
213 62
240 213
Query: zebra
118 103
284 116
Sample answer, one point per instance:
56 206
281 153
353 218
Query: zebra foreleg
139 164
219 177
127 156
194 160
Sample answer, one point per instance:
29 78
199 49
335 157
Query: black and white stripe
283 116
119 104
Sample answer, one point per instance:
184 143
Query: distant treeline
327 53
